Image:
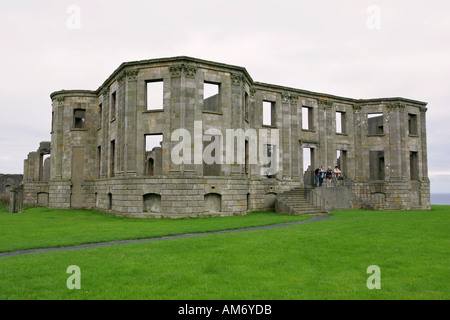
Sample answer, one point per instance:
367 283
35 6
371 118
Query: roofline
261 85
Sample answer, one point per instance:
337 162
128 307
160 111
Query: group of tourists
331 176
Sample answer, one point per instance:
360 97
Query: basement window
155 95
375 123
79 117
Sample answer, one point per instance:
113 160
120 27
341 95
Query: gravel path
181 236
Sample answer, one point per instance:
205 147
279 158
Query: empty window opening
246 105
44 167
112 163
99 161
155 95
100 115
211 96
270 169
109 204
307 118
246 167
341 161
376 164
375 123
340 122
79 118
308 166
414 165
153 154
308 159
412 124
113 105
268 113
212 155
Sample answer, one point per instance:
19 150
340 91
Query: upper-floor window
340 122
79 118
375 123
211 97
155 95
268 113
100 115
307 118
412 124
113 105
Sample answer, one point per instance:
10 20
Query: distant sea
440 198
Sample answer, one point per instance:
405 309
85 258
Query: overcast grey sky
350 48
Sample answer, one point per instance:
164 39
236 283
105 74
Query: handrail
314 198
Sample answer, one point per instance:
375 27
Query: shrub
4 200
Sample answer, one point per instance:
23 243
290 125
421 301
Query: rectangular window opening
112 155
268 113
412 124
307 118
153 154
341 161
113 105
99 161
155 95
376 164
211 97
79 116
340 122
212 156
100 115
246 105
375 123
414 165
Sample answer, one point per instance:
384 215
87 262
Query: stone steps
295 202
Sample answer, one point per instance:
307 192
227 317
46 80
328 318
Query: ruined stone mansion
111 148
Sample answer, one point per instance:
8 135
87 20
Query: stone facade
99 157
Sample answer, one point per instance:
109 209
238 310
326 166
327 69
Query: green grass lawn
45 228
320 260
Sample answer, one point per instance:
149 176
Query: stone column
358 162
105 130
130 123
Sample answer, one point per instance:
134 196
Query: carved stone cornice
121 77
357 107
324 103
423 109
190 70
60 102
175 70
293 98
105 93
252 92
289 98
237 79
395 106
132 75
